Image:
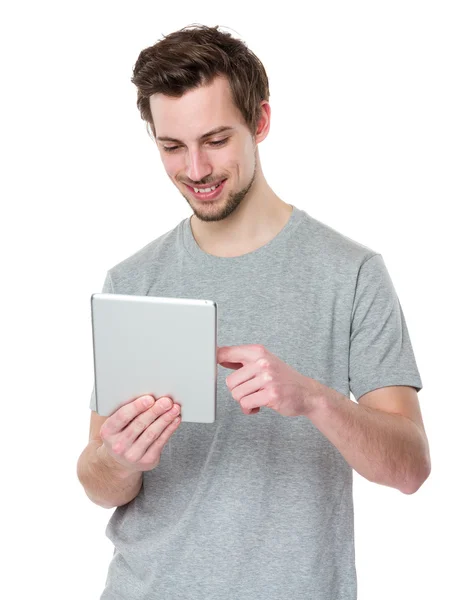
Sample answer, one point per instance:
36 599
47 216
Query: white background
371 132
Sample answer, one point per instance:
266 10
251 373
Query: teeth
206 190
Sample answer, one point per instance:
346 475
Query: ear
263 127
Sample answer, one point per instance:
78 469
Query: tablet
159 346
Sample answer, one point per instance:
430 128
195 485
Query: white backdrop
372 133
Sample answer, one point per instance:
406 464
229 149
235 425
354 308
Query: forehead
196 112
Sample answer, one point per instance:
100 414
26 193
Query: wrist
315 399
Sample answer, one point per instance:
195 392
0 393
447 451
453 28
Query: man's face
229 155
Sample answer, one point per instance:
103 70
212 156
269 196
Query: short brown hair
195 56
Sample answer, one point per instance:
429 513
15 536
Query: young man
258 504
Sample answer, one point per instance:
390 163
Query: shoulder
132 274
332 246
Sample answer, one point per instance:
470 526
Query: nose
197 166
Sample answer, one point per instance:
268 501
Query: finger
256 400
249 387
140 423
250 411
154 450
244 374
243 354
149 436
229 365
122 416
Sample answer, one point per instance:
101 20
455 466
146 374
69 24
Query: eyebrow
206 135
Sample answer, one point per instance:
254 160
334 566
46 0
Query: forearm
105 482
384 448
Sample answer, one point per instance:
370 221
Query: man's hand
262 379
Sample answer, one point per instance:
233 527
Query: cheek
222 161
229 163
172 165
249 148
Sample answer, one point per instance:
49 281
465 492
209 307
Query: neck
258 219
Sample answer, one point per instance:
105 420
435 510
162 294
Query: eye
173 148
219 143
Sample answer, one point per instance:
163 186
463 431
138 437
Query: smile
207 193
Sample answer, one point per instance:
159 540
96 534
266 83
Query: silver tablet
159 346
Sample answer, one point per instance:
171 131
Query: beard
232 201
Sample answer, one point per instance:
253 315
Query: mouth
214 192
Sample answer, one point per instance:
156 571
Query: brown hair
195 56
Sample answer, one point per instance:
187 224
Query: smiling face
190 159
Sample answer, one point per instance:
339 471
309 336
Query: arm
382 437
105 481
124 445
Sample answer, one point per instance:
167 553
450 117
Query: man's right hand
135 434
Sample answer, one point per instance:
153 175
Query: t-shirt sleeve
107 288
380 350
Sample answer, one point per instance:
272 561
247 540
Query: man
258 504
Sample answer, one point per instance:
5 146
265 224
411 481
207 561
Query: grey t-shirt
260 506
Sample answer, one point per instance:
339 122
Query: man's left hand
262 379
